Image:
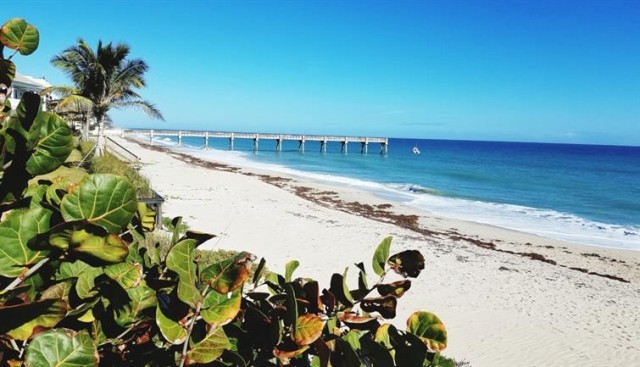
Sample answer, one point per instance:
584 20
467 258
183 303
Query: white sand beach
501 304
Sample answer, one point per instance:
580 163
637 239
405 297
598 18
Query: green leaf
69 270
210 348
147 217
258 274
396 289
58 291
429 329
7 72
289 269
353 338
180 260
20 35
126 274
338 287
15 233
20 321
380 256
377 352
228 275
88 241
61 348
407 263
53 146
308 328
383 337
172 331
86 286
385 306
141 298
291 317
218 309
103 199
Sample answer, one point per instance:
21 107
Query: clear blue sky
544 70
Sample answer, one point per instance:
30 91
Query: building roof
39 83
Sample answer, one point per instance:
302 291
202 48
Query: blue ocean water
581 193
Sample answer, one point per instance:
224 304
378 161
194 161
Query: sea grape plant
77 288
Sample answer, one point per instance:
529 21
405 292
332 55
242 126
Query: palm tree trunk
101 143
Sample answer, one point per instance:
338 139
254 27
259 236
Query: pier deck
256 137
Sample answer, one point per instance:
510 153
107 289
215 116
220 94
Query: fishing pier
278 139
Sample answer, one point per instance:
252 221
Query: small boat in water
415 150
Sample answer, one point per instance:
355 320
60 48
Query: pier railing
364 141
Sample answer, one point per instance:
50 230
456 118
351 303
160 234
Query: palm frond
148 108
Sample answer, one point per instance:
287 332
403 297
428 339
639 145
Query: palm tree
103 80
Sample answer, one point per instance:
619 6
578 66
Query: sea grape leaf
69 270
338 288
258 273
7 72
379 353
103 199
353 338
141 298
210 348
289 268
429 329
147 217
308 328
58 291
385 306
180 259
218 309
128 275
407 263
53 146
86 286
15 232
61 348
410 350
285 355
291 317
20 321
172 331
111 249
228 275
19 35
383 336
380 256
396 289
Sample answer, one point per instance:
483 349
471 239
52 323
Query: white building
23 83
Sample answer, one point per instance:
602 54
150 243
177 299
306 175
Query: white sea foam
547 223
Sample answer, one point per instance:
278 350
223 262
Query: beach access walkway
364 141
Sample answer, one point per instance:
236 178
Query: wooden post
179 138
231 142
151 136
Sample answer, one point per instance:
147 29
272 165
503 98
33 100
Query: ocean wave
544 222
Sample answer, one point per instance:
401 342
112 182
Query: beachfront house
23 83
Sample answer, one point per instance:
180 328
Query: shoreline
406 217
502 300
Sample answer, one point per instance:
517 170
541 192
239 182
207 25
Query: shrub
80 287
108 163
